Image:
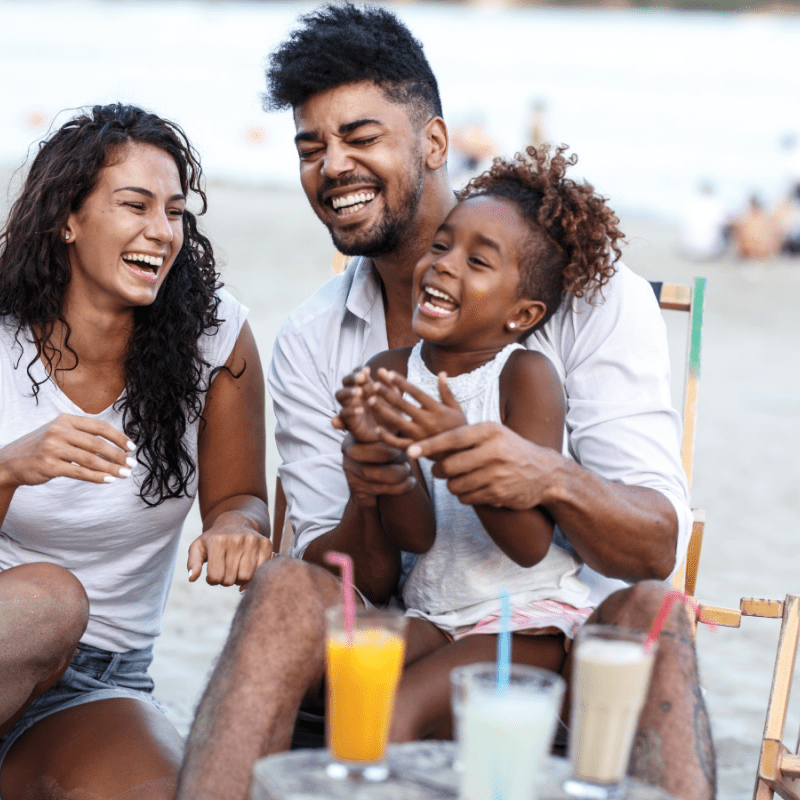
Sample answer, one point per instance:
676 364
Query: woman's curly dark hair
339 44
578 252
164 379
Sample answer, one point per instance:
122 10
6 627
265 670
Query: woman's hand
403 423
81 448
232 550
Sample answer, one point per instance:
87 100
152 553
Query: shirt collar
365 288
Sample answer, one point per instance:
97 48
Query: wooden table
419 771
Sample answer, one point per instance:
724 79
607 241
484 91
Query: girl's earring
512 325
66 236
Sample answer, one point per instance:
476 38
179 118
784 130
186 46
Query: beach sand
275 253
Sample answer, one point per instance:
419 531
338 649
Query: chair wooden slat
726 617
779 767
676 297
693 553
758 607
690 299
692 386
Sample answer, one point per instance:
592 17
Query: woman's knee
45 607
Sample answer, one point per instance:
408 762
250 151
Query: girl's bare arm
532 405
407 519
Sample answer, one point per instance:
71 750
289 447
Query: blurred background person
704 225
788 218
537 124
472 149
756 233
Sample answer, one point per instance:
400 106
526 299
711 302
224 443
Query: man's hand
403 423
373 469
231 549
488 464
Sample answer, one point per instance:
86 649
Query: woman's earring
512 325
66 236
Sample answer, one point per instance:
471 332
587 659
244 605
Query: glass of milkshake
611 675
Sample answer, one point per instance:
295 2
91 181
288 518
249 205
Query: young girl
499 266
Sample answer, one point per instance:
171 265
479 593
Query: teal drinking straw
504 643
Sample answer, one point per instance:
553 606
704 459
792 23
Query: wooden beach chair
688 299
778 768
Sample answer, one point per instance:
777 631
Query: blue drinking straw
504 644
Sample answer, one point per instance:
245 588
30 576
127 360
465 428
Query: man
373 146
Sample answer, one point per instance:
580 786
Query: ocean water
652 101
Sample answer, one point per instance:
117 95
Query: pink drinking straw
672 597
349 603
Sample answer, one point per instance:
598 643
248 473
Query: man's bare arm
627 532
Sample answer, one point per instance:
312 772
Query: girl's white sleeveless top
458 581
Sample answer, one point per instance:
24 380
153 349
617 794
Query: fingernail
124 472
130 445
109 478
131 462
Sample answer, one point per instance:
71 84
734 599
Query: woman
129 382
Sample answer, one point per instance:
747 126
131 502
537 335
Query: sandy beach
275 253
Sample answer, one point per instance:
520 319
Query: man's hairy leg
673 747
274 655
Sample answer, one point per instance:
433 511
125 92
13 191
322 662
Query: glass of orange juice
363 672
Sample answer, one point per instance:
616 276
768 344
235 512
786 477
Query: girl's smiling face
466 287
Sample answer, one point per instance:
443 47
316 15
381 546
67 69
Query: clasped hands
484 463
382 424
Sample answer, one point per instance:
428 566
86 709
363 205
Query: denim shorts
93 674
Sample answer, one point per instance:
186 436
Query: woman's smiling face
124 240
466 287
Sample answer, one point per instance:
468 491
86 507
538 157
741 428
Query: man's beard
393 227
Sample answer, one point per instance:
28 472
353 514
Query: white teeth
153 261
436 293
352 199
438 310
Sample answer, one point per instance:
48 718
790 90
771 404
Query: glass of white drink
504 733
611 675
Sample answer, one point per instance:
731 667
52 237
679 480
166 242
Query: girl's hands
231 549
356 415
408 422
81 448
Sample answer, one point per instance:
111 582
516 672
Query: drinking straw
504 644
346 564
672 597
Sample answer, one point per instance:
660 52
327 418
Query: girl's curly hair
573 248
164 380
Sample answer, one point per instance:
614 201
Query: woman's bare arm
232 484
